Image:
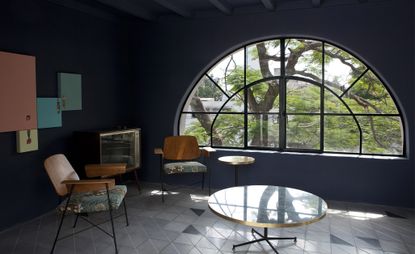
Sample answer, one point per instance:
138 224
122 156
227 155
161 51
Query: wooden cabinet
119 146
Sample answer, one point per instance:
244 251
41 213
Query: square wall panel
49 113
26 141
17 92
70 90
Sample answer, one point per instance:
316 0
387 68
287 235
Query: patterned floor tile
198 212
337 240
191 230
184 224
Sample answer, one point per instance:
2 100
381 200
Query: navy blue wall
61 39
175 51
168 56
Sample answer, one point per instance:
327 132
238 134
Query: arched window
293 94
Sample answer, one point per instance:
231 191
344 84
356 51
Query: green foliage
196 129
206 89
302 98
230 128
303 132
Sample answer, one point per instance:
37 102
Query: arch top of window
294 94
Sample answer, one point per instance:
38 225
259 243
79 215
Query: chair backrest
181 148
59 169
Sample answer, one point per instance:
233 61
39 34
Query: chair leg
61 222
76 220
111 218
161 179
125 212
203 181
137 181
162 192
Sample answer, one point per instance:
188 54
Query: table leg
266 238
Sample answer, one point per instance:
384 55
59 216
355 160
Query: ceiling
153 10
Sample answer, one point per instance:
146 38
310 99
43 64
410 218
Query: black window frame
282 114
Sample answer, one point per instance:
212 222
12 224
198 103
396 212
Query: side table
236 161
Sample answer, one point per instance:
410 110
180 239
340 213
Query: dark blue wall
173 53
168 57
61 39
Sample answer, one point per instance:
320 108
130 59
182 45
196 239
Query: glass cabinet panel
121 147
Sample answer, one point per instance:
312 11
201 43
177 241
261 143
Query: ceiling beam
269 4
316 3
222 6
168 4
85 9
130 8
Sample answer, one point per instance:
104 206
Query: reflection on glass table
267 207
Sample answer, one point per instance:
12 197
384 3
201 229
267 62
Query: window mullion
322 99
245 104
282 95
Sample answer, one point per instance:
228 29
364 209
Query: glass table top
267 206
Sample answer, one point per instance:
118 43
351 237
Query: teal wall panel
49 113
70 90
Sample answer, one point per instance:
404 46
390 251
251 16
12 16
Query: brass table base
266 238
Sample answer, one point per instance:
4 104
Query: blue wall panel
49 113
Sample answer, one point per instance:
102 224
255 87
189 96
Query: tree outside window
293 94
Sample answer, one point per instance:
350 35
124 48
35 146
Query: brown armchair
180 155
86 196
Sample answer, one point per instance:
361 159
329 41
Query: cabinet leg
137 181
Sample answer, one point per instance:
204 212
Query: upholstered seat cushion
184 167
89 202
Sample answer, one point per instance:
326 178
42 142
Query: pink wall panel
17 92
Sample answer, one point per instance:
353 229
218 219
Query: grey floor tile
189 239
183 248
156 227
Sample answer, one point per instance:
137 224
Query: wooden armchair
86 196
179 155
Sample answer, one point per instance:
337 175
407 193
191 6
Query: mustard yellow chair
180 155
86 196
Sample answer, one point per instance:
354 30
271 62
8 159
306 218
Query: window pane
333 104
303 132
228 130
369 95
304 58
226 94
205 97
341 69
262 60
302 97
381 134
341 134
197 125
229 72
235 104
263 130
264 97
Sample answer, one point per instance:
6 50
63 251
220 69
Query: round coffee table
236 161
267 206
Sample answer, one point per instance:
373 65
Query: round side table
236 161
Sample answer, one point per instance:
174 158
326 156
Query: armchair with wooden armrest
179 155
86 196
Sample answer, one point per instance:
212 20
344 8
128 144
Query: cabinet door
70 90
49 113
17 92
